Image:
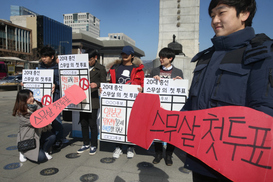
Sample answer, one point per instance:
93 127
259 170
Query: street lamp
60 42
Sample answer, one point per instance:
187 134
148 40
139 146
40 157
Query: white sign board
173 93
74 69
116 104
40 82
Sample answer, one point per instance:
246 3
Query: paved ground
140 168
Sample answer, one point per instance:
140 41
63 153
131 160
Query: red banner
233 140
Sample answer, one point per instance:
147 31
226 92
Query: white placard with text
74 69
116 104
173 93
40 82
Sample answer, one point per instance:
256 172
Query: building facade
83 21
20 10
121 36
53 33
109 49
14 39
45 31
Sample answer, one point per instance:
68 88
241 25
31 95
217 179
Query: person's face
126 58
30 99
224 20
47 60
165 61
92 61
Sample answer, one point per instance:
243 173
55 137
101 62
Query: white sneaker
117 153
48 156
22 158
130 153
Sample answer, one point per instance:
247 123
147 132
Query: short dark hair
167 52
239 5
47 51
92 53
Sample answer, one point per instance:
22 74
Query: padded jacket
238 71
54 66
137 74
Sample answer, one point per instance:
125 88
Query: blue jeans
46 141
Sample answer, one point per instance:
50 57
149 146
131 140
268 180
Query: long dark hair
20 106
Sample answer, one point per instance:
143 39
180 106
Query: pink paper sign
47 114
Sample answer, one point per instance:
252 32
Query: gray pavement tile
6 180
103 175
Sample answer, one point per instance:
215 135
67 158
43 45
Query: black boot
158 157
168 160
57 145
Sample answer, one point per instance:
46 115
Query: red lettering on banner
76 79
64 79
112 112
109 121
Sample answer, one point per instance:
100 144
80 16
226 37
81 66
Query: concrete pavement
70 167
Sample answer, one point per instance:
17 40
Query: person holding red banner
24 106
165 71
89 120
48 61
236 70
128 71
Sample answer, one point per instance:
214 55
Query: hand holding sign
234 140
47 114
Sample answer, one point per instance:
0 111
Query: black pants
159 148
89 120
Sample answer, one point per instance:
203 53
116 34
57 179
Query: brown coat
26 131
97 75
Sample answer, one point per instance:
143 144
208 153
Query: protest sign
116 104
236 141
74 69
173 93
47 114
40 82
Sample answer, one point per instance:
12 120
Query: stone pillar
180 18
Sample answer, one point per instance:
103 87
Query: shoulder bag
26 145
